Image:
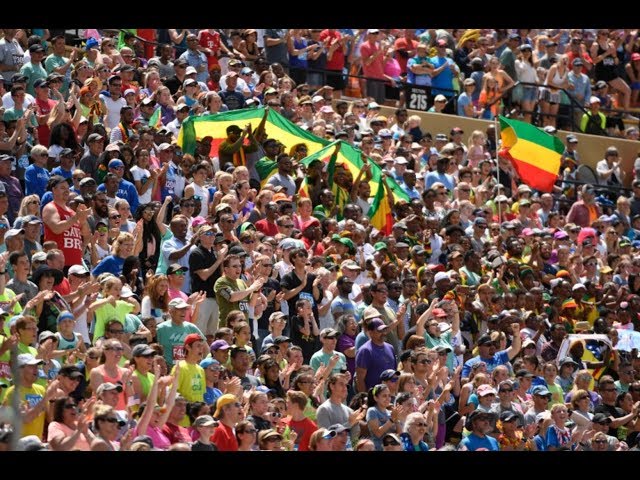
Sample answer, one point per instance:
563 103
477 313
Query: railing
612 191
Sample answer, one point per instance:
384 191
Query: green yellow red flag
534 153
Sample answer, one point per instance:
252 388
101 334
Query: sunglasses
116 332
115 217
210 234
111 420
180 272
71 406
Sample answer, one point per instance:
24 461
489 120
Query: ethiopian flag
155 120
350 159
534 154
215 126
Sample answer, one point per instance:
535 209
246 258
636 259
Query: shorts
547 95
529 94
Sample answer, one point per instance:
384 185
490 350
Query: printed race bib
32 399
178 353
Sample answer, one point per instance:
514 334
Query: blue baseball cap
65 315
207 362
540 390
116 163
91 43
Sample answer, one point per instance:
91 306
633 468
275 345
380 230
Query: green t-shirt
223 288
444 340
171 337
321 358
5 300
54 61
33 73
109 312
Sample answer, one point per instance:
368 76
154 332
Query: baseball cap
78 270
204 421
329 333
219 345
107 387
178 303
173 268
142 350
376 324
540 390
25 359
192 338
389 374
116 163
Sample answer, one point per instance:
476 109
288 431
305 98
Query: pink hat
527 232
485 390
635 56
197 221
326 109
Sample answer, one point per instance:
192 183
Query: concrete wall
591 148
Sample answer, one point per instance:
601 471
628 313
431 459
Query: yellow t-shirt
192 383
30 396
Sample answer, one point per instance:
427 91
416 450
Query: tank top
145 381
203 193
558 78
122 402
606 69
69 241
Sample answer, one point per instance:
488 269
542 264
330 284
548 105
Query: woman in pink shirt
152 416
69 429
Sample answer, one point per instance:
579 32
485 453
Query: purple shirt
344 343
376 359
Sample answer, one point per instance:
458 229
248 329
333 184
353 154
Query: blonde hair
237 170
123 237
474 136
25 201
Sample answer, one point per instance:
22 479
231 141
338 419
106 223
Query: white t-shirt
142 175
113 111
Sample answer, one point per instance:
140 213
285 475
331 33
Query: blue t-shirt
111 264
374 413
127 191
500 358
66 174
444 79
474 442
35 180
463 101
211 394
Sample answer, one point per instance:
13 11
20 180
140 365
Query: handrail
572 101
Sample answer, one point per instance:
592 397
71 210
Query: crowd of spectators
152 298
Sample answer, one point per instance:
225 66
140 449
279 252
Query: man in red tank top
63 225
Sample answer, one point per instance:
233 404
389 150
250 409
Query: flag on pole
534 154
349 158
155 120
